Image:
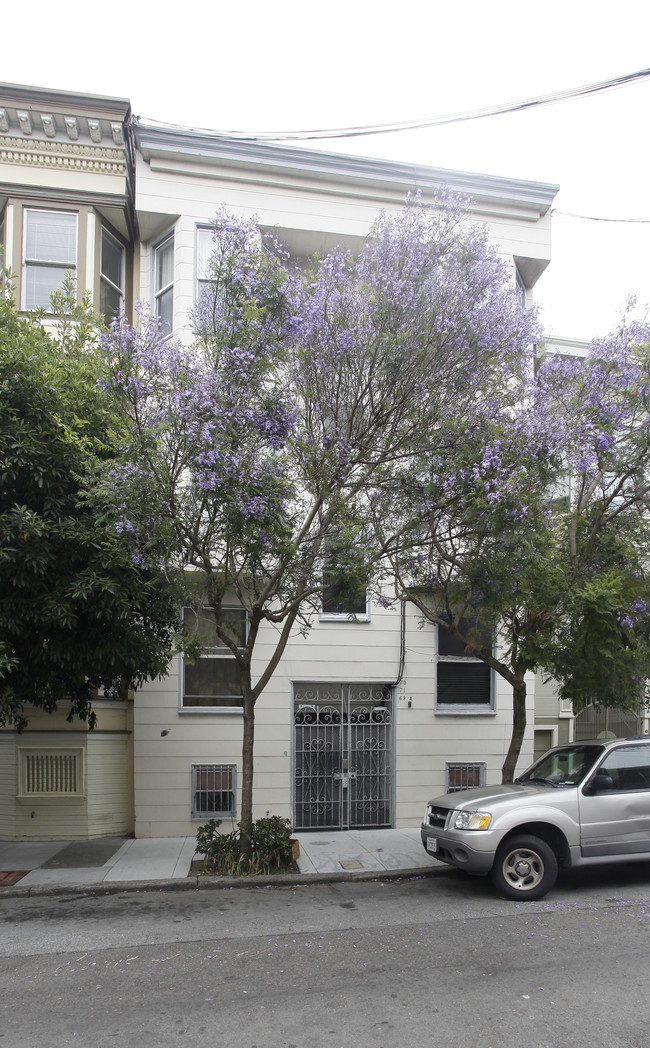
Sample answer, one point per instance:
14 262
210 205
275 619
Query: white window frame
468 708
32 263
104 279
203 234
342 616
346 616
159 292
216 651
199 787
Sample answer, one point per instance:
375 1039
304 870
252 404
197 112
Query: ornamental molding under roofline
62 155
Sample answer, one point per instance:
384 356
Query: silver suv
578 805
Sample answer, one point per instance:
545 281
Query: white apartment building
355 728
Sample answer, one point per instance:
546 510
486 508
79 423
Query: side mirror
598 782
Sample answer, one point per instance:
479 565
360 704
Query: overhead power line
599 218
438 121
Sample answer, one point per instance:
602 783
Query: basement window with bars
214 791
50 773
464 776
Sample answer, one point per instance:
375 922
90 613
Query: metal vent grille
50 773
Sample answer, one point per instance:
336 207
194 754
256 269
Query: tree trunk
246 821
518 727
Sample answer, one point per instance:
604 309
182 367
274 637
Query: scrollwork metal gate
343 756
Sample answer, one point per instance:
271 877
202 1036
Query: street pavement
117 863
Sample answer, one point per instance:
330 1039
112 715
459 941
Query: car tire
525 867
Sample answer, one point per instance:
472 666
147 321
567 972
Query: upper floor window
204 249
345 581
111 289
164 281
464 682
50 251
343 600
213 679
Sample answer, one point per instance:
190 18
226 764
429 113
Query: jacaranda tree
255 455
533 529
76 612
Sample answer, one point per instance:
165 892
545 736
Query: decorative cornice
62 155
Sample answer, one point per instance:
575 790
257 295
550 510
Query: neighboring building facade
367 716
66 204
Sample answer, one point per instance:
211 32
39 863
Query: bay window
49 252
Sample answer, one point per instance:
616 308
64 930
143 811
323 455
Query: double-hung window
213 679
49 252
111 287
204 248
164 282
463 681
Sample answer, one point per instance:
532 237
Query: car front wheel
524 868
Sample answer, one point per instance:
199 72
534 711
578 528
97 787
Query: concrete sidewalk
32 867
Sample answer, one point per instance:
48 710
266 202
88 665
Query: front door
343 756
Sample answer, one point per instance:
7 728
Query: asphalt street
429 961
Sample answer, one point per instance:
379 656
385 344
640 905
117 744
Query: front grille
437 816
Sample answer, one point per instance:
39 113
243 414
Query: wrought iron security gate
343 756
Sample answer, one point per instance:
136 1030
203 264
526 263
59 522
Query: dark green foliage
270 848
76 612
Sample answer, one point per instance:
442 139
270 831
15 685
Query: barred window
214 791
464 776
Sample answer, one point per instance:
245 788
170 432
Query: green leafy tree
76 612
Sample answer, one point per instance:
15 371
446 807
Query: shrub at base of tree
271 848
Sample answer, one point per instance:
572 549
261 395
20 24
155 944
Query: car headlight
472 820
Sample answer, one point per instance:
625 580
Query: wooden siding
333 651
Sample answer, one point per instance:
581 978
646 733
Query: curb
207 882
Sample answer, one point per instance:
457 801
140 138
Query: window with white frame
163 261
111 286
207 248
49 252
214 791
464 775
204 249
463 681
213 679
347 601
345 585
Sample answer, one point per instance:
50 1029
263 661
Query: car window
628 767
563 767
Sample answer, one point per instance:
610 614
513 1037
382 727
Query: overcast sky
292 65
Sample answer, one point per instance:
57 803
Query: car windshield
562 767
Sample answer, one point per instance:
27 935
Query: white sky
295 65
